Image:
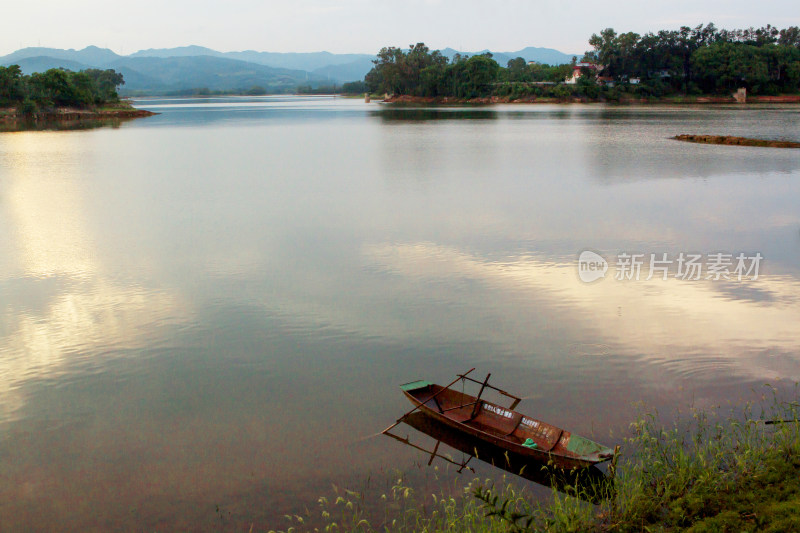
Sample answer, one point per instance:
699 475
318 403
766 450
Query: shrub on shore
57 88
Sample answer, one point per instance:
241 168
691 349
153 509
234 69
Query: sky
362 26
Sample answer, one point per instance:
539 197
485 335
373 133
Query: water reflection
422 114
195 305
241 111
44 204
61 125
66 307
689 328
590 484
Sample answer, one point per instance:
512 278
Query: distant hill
216 73
145 74
308 61
355 70
91 55
189 67
181 51
29 65
540 55
544 55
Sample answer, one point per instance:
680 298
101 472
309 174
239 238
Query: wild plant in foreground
739 472
673 476
402 509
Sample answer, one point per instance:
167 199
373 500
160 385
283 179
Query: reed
401 508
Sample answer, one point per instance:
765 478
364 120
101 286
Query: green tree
57 87
355 87
789 36
474 77
552 73
604 44
725 66
433 79
84 90
587 85
106 81
11 87
518 70
52 87
388 72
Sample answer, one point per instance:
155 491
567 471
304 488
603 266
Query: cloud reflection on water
680 325
83 312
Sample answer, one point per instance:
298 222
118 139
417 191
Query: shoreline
728 140
676 100
11 120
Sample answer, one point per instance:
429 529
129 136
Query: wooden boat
504 427
589 484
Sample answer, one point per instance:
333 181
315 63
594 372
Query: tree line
700 60
703 59
420 72
57 88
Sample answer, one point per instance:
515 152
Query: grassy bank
715 474
739 472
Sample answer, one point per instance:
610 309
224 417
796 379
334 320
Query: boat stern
589 450
415 385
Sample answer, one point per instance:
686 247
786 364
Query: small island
62 99
736 141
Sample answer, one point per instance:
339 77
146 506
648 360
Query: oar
362 439
433 453
460 377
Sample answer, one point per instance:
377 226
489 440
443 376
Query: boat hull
505 428
589 484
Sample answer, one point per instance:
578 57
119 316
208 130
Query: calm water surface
211 307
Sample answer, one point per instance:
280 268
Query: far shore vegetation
710 471
679 65
61 99
57 88
703 64
255 90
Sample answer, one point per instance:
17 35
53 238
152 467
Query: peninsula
60 99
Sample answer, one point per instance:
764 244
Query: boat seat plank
519 421
459 417
438 405
555 442
545 435
495 419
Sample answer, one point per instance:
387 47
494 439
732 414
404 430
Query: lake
205 314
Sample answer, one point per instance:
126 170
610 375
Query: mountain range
190 67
